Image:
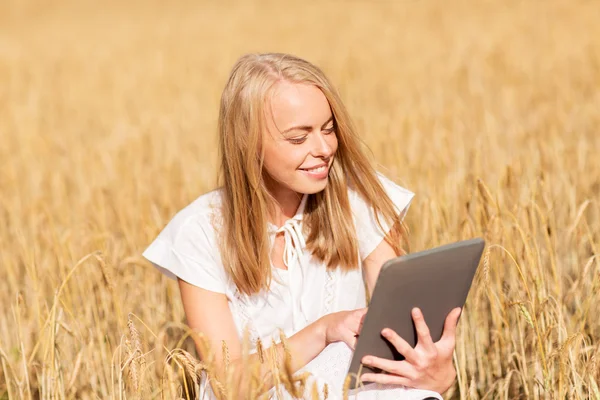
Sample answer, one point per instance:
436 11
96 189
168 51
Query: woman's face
300 141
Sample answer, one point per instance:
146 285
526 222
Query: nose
320 146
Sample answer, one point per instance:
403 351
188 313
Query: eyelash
297 141
302 139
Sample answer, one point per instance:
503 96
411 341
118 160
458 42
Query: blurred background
488 110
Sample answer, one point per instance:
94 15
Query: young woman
296 236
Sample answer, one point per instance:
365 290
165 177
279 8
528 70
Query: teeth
318 169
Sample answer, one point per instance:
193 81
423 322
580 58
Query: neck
285 205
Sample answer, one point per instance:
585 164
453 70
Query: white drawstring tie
293 257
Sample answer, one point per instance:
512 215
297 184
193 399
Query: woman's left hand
426 366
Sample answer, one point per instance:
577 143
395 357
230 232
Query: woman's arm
428 365
208 312
373 263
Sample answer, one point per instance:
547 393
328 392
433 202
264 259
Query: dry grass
488 110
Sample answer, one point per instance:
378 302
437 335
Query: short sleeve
188 251
368 232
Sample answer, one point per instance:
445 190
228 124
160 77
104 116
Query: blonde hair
327 220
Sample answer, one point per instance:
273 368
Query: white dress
187 248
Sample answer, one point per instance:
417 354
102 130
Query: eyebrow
306 127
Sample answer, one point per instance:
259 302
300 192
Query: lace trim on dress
329 292
246 321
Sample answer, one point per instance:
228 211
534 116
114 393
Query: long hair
328 221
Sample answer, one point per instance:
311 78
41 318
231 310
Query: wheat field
489 110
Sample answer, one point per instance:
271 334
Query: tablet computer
435 280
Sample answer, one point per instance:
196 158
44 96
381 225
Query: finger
400 368
450 325
423 334
386 379
400 344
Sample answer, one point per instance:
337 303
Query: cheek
284 159
333 143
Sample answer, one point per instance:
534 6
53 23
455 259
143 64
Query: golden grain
488 111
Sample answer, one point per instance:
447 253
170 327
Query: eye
298 140
329 130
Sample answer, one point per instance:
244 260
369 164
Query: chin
312 188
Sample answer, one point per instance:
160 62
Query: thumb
359 315
350 339
362 320
362 312
450 324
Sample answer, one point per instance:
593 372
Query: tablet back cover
435 280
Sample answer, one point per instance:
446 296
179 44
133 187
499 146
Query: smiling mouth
316 170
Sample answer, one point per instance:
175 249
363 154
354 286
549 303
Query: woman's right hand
343 326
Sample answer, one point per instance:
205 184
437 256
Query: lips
318 172
317 169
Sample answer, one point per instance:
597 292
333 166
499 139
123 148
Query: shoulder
370 229
188 248
192 232
400 196
201 216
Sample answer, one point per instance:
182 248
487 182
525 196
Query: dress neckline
272 228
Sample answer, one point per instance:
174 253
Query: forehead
293 104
